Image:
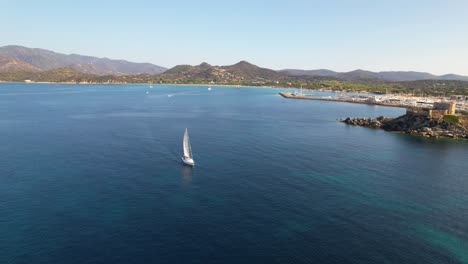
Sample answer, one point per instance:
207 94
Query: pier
387 100
345 99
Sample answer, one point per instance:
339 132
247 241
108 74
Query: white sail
186 145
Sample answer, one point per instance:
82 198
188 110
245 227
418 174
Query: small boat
209 88
188 157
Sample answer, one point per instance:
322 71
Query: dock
383 100
344 99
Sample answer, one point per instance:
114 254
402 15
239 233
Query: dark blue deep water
92 174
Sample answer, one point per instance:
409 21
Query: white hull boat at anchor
188 157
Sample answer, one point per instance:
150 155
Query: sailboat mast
190 147
184 145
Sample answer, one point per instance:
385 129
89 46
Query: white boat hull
188 161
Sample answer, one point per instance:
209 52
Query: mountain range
32 61
18 58
396 76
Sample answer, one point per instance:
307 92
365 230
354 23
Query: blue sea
92 174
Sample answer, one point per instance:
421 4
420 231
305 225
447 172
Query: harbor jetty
384 100
345 99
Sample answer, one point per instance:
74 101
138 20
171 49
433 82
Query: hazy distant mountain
241 71
397 76
18 58
321 72
358 75
406 76
453 77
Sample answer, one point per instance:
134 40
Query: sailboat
188 157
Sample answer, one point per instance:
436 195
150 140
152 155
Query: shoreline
415 124
171 84
192 84
284 94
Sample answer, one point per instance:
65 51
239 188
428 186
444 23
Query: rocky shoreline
415 125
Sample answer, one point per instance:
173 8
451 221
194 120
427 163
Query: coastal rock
414 124
426 129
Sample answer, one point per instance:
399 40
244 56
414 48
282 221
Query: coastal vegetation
452 119
419 88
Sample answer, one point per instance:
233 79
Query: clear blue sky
339 35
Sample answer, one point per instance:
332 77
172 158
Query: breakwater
346 99
384 100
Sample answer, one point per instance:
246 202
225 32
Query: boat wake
187 93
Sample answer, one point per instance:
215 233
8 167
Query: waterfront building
449 106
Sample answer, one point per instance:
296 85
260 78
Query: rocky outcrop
366 122
414 124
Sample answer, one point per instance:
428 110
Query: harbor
460 101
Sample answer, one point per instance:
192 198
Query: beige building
449 106
438 111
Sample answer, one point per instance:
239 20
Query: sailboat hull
188 161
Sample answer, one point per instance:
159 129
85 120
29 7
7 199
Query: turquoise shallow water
92 174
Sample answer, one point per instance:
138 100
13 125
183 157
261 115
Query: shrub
452 119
